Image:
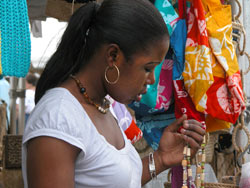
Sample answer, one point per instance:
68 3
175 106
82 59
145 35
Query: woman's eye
148 70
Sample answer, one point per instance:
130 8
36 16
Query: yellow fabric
219 27
213 124
198 74
218 70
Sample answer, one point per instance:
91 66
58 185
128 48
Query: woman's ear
113 54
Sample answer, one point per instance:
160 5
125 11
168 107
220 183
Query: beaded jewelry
101 108
187 171
184 165
201 159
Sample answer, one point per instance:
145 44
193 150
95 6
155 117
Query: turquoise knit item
15 38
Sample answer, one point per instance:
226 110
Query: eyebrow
150 63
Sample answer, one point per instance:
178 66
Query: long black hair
131 24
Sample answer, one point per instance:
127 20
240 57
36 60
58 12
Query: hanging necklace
101 108
200 171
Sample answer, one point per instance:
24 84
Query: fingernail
179 130
185 124
183 130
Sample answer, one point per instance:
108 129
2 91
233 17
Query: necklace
101 108
186 165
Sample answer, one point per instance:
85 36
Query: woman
72 139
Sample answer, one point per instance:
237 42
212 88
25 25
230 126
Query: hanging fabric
153 125
0 55
178 42
216 118
168 13
225 98
159 95
15 38
197 73
183 101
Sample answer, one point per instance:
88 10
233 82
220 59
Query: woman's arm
172 143
50 163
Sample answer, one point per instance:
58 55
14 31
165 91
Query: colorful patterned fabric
178 42
197 73
165 87
168 13
225 98
159 95
153 125
184 104
15 38
219 27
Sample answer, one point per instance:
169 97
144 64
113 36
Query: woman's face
136 74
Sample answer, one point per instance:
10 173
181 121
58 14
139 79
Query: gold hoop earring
118 74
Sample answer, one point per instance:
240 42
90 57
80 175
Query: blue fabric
15 38
143 109
153 125
178 43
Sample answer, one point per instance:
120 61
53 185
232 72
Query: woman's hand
172 142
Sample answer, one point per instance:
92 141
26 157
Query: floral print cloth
197 73
168 13
225 98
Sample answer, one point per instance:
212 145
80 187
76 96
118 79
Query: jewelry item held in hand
101 108
184 166
200 171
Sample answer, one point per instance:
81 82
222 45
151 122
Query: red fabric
197 25
133 133
184 104
225 98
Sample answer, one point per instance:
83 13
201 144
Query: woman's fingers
197 137
193 133
191 142
195 126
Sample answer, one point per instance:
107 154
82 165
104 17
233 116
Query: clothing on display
15 38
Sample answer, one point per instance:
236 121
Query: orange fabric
214 124
225 96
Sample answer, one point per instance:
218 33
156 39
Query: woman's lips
139 96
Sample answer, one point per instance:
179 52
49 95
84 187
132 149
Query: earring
118 74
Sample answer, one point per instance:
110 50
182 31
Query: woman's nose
151 78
